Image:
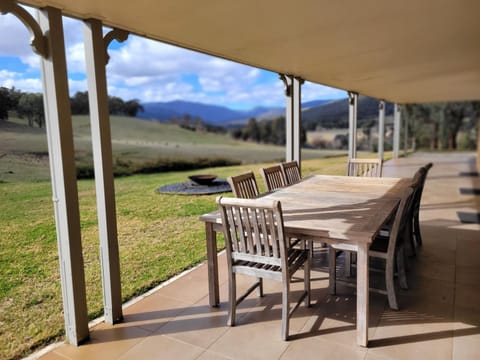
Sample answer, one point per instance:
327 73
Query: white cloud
11 79
15 39
152 71
312 91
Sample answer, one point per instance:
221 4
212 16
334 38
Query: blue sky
149 71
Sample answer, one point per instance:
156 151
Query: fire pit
203 179
198 185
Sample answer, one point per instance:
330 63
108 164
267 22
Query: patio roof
403 51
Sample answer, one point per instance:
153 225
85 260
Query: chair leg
232 299
260 287
306 280
348 263
332 264
392 297
285 308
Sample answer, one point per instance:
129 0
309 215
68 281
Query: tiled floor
439 316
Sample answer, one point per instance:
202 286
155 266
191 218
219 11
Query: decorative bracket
38 41
302 81
288 87
351 97
381 105
115 34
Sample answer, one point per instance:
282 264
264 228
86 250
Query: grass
159 236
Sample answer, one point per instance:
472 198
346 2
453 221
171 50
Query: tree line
30 105
266 131
438 125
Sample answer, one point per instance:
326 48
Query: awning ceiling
401 51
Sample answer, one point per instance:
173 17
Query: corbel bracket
351 97
288 87
300 80
38 41
381 105
114 34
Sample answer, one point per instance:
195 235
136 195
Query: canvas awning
400 51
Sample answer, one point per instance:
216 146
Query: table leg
362 294
212 261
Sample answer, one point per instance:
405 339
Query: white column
396 131
289 116
297 120
381 128
405 138
352 124
63 173
102 156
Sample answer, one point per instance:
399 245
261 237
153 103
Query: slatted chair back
256 246
244 185
400 227
291 171
419 179
273 177
253 231
365 167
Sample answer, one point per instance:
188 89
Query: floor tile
105 343
162 347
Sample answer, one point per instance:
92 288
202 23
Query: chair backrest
365 167
273 177
291 171
253 230
244 185
419 182
401 225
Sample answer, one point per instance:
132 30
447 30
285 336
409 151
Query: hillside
214 114
334 114
24 151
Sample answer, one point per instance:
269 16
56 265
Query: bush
128 167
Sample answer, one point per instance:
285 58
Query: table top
335 208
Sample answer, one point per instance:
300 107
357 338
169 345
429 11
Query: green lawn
159 236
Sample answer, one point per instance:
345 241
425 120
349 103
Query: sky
149 71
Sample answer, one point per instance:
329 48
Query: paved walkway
439 316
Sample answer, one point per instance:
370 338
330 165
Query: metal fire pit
193 188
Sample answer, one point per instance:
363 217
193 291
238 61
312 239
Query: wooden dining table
342 211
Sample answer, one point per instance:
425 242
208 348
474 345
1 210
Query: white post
63 172
297 120
396 131
405 138
289 117
381 128
352 124
102 154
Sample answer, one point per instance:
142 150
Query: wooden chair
365 167
291 171
273 177
414 237
422 174
244 185
390 249
256 245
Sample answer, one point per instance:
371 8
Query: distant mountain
334 114
213 114
209 113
